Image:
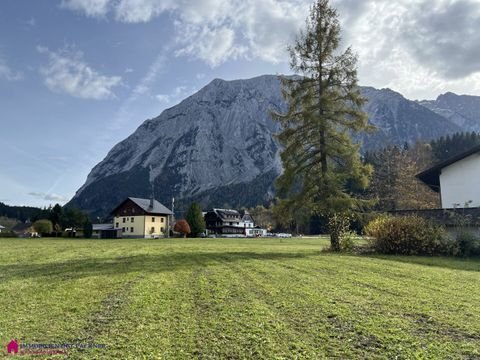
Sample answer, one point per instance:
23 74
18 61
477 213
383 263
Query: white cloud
414 44
138 11
214 46
7 73
48 196
92 8
68 73
213 31
178 93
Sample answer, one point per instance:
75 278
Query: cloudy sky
78 76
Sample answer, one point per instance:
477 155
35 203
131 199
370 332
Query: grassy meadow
235 299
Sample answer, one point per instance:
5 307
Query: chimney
151 198
153 187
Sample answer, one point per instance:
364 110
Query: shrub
340 234
43 226
182 227
468 243
7 234
409 235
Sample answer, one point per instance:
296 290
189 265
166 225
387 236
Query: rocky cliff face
217 146
212 147
399 121
462 110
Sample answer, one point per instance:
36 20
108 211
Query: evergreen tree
195 219
324 109
87 229
448 146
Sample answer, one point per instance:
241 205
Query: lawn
235 299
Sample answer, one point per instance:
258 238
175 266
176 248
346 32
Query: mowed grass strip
237 299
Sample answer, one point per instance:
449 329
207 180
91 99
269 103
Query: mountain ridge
217 146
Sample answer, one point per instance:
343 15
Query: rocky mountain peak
218 146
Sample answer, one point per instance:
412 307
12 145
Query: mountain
399 120
462 110
215 146
218 147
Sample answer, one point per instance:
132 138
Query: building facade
141 218
230 222
456 179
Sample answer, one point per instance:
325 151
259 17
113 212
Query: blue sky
78 76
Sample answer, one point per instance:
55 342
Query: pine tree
320 160
195 219
449 146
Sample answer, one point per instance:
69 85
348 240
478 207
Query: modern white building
456 179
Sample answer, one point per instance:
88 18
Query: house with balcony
229 222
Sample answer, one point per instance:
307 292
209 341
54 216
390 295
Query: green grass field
235 299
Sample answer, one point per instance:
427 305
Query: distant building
105 231
2 228
145 218
456 179
232 222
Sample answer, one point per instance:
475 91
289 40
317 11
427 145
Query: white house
456 179
1 228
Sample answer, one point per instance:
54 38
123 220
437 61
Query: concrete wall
460 183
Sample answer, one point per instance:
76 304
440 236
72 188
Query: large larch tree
321 161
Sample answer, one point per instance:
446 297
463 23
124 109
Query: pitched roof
98 227
144 204
431 176
224 213
157 208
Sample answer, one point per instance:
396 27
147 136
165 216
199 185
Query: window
162 229
161 220
123 229
153 219
123 220
152 230
131 229
132 219
116 225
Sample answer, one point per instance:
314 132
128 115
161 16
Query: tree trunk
334 241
